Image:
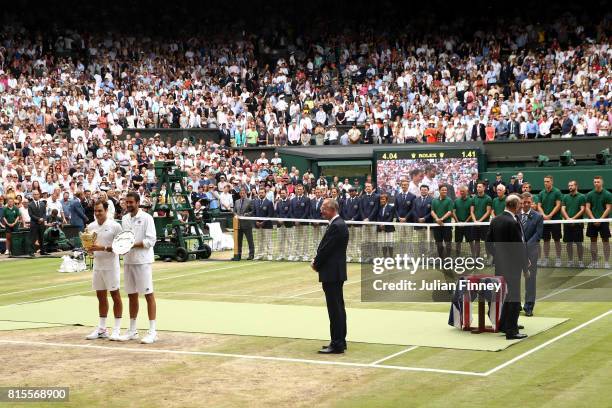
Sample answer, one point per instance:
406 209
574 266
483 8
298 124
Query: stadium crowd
515 81
71 100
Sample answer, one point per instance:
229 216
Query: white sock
102 324
117 324
152 328
132 325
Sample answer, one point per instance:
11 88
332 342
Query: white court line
547 343
154 280
573 287
395 355
45 287
143 349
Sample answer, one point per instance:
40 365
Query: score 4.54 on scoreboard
428 154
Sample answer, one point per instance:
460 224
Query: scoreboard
445 165
427 154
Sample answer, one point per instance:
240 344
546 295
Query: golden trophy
87 239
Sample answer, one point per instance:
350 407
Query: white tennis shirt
143 227
106 233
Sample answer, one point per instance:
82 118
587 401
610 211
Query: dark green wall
562 175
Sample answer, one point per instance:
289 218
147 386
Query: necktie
518 220
524 219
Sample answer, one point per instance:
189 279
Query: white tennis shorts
138 278
106 279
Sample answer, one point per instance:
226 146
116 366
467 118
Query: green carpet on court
428 329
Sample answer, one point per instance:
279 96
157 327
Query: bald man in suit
330 264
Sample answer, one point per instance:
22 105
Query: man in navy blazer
386 214
404 201
533 225
368 211
78 218
315 214
263 208
350 212
300 209
422 214
330 264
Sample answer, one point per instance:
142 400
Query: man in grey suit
244 207
514 128
533 225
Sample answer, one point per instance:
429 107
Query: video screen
453 168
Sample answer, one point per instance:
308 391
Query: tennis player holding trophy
137 263
97 240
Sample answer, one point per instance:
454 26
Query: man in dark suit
88 206
265 209
300 209
315 214
473 184
284 228
386 214
244 207
368 211
37 210
422 215
533 226
78 218
225 134
330 263
350 212
506 243
478 131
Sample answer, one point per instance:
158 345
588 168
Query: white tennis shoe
97 334
150 338
115 336
129 336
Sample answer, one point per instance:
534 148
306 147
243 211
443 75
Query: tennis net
569 242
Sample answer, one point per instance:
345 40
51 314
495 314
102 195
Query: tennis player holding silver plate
137 262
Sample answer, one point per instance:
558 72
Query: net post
235 226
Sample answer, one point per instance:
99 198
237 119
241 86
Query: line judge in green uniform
599 205
572 208
499 202
462 213
550 208
481 212
442 213
10 220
